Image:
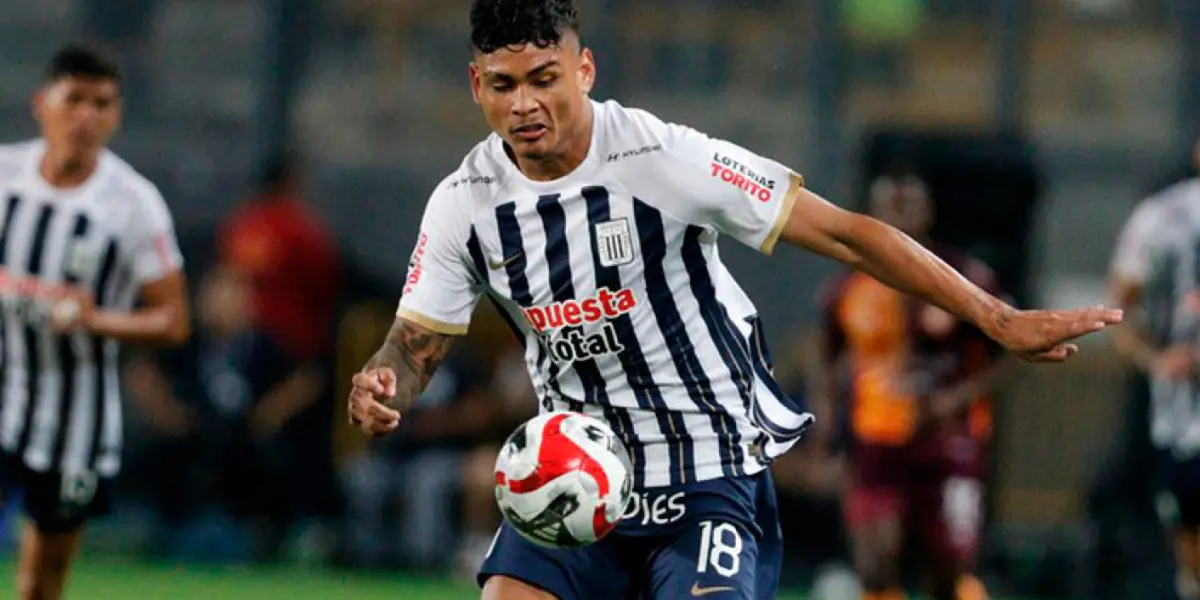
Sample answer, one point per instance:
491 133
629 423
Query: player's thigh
517 566
712 558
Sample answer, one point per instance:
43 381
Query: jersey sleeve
154 251
1137 244
719 184
440 291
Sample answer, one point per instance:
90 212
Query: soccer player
82 238
594 227
916 379
1156 267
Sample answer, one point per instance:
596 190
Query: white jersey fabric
1159 249
60 407
612 278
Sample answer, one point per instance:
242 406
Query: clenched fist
369 412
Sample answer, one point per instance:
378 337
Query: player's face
903 204
78 115
536 98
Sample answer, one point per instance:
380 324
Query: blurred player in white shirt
1156 273
88 260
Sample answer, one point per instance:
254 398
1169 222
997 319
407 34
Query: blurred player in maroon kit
295 276
291 259
916 379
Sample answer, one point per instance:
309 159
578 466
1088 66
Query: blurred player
82 238
594 227
1156 268
915 377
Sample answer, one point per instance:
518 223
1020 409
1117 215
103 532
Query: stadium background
1041 122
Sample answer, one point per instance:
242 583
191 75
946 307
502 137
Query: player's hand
368 411
1045 335
1177 363
71 311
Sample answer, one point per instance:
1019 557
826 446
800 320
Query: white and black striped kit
60 395
612 278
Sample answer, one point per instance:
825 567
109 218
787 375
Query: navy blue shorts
717 539
54 502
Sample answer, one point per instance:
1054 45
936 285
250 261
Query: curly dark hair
497 24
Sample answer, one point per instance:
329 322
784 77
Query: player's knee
499 587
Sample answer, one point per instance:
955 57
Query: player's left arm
760 202
895 259
162 317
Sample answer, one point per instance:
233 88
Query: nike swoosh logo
504 263
698 591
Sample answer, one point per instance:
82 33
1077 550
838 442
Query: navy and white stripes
643 340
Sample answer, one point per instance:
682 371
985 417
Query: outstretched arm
396 375
896 260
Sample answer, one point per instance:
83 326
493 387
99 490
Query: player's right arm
439 298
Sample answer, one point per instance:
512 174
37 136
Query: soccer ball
563 480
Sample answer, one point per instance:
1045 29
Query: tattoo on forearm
414 353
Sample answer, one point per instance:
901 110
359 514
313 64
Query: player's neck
560 164
67 172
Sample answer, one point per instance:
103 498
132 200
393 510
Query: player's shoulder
633 132
125 184
16 156
476 183
126 181
1172 202
477 178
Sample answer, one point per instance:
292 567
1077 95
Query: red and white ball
563 480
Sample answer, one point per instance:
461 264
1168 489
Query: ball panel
563 480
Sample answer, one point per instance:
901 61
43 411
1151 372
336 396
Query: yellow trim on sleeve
433 325
795 184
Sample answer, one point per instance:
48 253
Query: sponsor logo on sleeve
617 156
743 177
414 264
473 180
